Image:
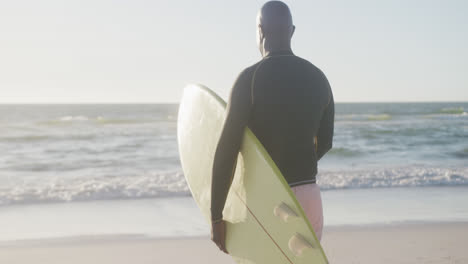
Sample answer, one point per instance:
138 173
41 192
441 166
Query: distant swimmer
288 104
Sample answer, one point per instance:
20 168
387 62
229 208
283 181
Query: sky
101 51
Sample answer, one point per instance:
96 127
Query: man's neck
272 52
269 47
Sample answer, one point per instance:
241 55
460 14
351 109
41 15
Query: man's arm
325 132
237 116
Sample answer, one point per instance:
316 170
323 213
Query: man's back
287 103
291 101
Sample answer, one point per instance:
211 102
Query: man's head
274 27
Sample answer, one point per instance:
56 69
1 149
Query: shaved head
274 27
275 16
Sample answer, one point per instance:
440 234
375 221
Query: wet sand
402 243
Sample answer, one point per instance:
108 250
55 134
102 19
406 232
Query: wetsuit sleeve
325 132
237 115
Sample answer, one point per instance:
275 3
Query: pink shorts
309 197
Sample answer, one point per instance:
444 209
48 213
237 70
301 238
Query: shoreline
103 238
441 242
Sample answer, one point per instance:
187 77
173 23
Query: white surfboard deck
265 222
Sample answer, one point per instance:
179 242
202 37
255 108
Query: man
288 104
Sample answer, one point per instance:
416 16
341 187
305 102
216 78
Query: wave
450 113
25 138
67 120
53 190
381 117
393 177
452 110
344 152
386 112
173 184
363 117
447 112
73 118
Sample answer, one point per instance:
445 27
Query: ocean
72 170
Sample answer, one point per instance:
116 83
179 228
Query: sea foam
173 184
393 177
63 189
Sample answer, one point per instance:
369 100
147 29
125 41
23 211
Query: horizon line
172 103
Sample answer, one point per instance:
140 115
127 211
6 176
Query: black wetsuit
288 104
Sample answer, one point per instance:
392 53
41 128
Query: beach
106 158
103 184
403 243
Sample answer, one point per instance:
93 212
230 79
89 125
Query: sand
403 243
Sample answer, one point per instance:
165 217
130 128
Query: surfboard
265 222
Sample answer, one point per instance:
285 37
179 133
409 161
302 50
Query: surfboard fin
297 244
284 212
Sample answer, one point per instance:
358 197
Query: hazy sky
146 51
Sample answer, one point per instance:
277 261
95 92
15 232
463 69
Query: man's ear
261 34
293 30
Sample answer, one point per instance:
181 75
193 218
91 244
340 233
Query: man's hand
218 234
